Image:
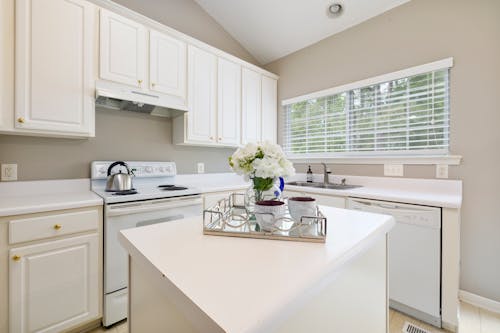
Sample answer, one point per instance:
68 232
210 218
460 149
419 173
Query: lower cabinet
51 270
54 285
325 200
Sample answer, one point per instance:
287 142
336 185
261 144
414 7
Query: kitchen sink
322 185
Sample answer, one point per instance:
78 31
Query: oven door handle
132 209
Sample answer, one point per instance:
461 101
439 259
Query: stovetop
153 180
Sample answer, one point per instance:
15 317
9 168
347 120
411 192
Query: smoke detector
334 10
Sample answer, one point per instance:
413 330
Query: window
400 115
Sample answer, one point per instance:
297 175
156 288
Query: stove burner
172 188
127 192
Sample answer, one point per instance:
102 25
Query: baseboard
479 301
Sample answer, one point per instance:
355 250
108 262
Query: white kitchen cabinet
229 102
167 64
55 67
123 50
251 106
269 109
201 119
54 285
325 200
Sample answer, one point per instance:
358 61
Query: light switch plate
441 170
395 170
9 172
201 167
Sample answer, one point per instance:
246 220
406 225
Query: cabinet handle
57 226
16 257
20 120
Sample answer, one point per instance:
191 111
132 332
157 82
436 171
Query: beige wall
124 135
120 135
418 32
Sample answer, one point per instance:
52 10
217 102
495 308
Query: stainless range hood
114 96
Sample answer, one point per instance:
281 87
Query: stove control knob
149 169
161 169
103 170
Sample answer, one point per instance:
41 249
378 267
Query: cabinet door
229 102
202 100
269 109
123 50
167 64
55 66
251 106
55 285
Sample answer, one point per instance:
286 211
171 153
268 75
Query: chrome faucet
326 173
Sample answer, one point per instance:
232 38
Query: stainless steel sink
322 185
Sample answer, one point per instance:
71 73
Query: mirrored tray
229 217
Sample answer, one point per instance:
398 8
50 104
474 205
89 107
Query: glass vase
255 194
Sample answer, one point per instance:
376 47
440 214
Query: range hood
114 96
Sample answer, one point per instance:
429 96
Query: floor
472 320
397 321
476 320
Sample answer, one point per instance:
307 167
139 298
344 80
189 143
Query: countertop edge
47 207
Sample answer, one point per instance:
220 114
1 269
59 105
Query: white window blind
408 115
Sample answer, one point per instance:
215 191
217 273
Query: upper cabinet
167 64
63 47
123 52
269 109
251 109
202 100
55 66
229 103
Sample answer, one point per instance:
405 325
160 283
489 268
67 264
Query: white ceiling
271 29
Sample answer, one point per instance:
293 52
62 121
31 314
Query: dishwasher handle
428 217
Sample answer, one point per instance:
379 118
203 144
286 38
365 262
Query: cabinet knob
140 82
211 138
220 139
20 120
57 226
16 257
153 84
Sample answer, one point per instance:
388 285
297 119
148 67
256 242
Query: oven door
136 214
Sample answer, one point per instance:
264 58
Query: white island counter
184 281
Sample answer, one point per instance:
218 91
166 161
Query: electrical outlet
9 172
441 170
395 170
201 167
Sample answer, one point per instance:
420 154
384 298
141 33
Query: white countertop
27 197
428 192
263 279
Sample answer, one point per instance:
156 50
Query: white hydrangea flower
264 161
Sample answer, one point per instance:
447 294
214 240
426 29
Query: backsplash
119 135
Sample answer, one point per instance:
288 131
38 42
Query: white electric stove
155 198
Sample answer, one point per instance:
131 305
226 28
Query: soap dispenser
309 175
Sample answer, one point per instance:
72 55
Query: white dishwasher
414 250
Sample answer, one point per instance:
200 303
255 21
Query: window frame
432 156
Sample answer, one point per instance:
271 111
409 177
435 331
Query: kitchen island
183 281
